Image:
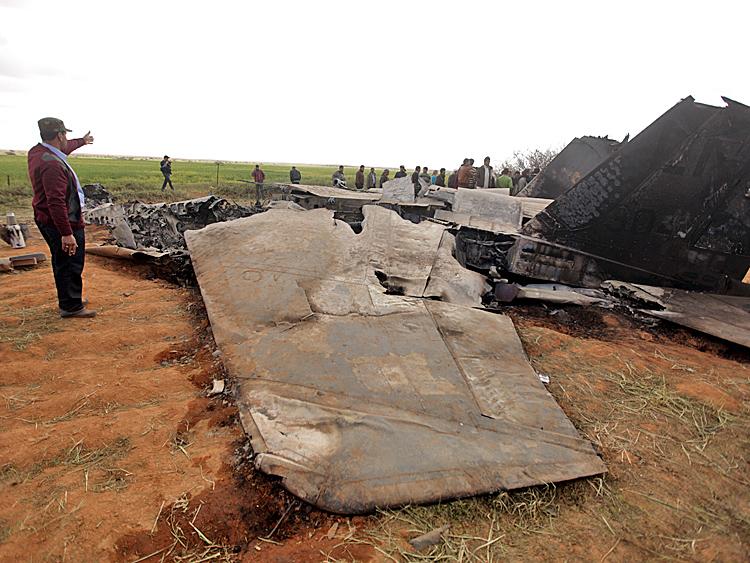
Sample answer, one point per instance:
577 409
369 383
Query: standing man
464 174
401 172
372 179
58 208
294 175
522 181
505 181
359 178
166 169
415 178
258 176
472 174
440 180
338 178
384 178
425 175
485 175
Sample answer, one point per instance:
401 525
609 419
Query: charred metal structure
575 161
142 226
670 208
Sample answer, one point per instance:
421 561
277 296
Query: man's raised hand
88 139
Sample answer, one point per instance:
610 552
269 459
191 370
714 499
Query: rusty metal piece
724 316
360 398
669 208
575 161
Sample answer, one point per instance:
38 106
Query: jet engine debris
574 162
356 391
161 227
668 208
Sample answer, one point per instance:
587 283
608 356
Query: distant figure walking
259 176
294 175
372 179
166 168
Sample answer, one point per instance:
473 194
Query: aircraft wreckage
362 328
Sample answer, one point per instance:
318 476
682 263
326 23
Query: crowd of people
465 176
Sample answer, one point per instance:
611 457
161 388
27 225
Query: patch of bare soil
111 450
109 447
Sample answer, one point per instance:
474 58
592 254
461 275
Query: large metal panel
361 398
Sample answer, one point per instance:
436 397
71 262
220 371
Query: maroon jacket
55 195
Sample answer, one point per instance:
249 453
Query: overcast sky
378 83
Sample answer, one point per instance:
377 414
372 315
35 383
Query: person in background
166 169
523 181
58 204
294 175
433 178
359 178
534 173
258 176
486 175
425 176
515 177
464 174
453 179
415 178
401 172
472 174
505 181
372 179
339 180
440 179
384 178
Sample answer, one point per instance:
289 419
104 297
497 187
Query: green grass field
129 178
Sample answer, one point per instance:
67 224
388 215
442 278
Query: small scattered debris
218 387
429 539
332 531
21 261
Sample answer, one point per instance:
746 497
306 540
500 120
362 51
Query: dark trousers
167 180
67 269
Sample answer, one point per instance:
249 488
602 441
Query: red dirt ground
110 449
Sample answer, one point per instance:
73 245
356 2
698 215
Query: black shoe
82 313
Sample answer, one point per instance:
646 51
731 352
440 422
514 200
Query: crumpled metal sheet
671 207
486 210
576 160
331 192
161 225
401 190
359 398
724 316
96 194
551 293
451 282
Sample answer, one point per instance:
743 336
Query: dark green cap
52 125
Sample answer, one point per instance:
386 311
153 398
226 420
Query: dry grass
480 527
27 325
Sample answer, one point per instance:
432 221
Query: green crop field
132 178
